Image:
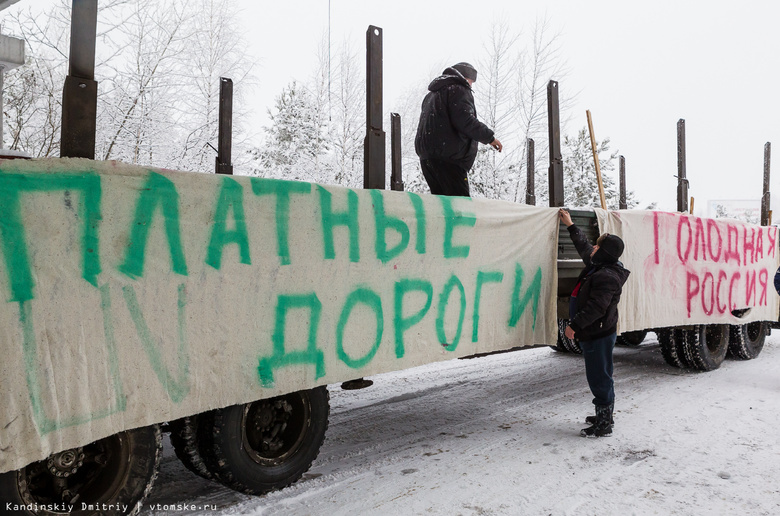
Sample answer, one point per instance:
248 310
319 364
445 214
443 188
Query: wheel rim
90 474
274 429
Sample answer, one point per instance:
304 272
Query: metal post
225 143
622 201
374 144
79 95
2 101
396 174
682 181
765 206
530 197
555 172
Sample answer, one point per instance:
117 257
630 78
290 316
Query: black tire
559 345
707 345
684 350
631 338
572 346
265 445
668 339
747 340
184 438
116 471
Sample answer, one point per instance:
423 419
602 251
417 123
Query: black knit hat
466 70
610 248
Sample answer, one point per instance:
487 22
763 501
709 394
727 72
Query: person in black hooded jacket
449 130
593 317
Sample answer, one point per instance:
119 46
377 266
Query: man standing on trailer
449 130
593 316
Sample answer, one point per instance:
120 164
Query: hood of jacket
449 77
616 269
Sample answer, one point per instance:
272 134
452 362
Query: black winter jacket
602 283
448 128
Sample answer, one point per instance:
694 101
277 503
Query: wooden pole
596 161
691 205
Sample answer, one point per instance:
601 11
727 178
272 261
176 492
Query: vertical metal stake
765 205
79 94
396 174
374 144
682 181
530 196
224 163
555 172
622 202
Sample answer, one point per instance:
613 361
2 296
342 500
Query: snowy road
500 436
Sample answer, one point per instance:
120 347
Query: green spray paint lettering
348 218
12 230
231 195
281 357
401 323
444 300
452 219
383 222
35 388
482 278
177 387
282 190
372 300
533 292
419 212
158 190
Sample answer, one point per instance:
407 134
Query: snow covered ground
500 436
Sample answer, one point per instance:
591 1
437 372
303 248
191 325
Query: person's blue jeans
598 368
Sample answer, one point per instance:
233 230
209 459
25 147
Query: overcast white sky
638 67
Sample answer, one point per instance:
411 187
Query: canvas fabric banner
134 296
689 270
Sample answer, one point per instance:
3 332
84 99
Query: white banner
134 296
690 270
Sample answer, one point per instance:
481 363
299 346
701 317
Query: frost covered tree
579 173
317 127
157 67
294 142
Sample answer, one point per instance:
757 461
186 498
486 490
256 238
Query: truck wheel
559 344
668 339
684 350
568 344
184 438
747 340
631 338
267 444
707 344
116 471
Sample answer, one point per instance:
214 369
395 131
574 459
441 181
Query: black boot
591 420
602 427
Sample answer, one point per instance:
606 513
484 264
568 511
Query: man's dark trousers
598 368
445 178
